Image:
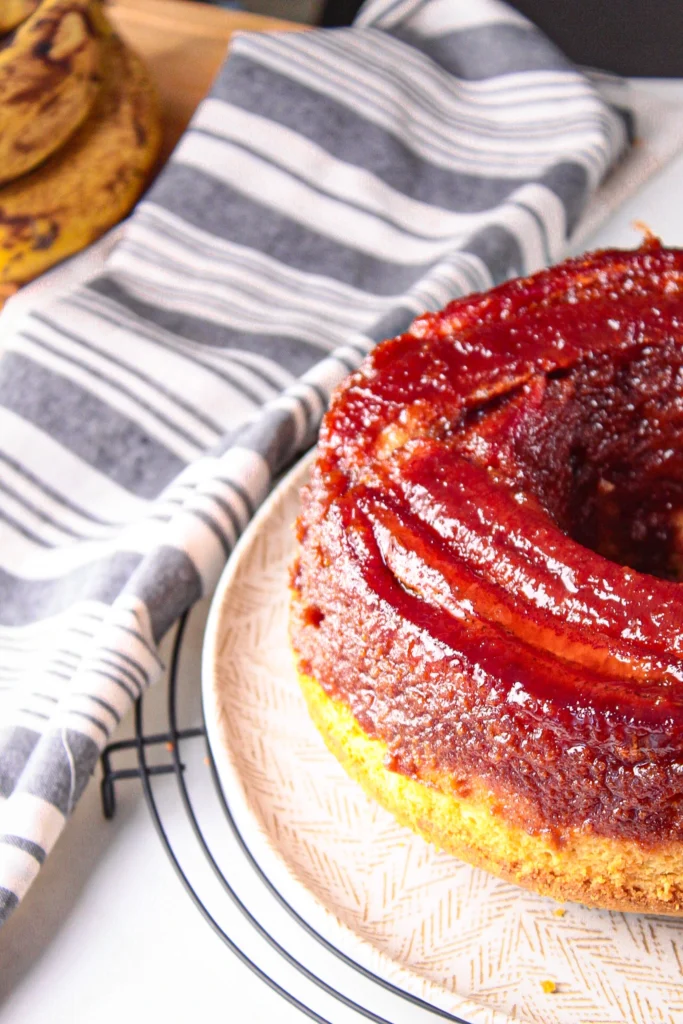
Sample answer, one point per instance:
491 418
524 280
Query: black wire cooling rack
230 888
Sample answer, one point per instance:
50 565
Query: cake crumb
548 986
559 911
648 234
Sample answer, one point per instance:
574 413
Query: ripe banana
13 12
48 81
91 182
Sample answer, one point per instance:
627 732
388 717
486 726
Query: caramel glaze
489 547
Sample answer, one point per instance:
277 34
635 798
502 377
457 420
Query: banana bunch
79 132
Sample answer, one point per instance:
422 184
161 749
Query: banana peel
13 12
48 81
92 182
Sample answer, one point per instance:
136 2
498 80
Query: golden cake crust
598 871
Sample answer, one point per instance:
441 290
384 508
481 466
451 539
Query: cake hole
604 455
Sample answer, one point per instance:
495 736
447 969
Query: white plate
456 936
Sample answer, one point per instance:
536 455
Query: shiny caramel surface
491 543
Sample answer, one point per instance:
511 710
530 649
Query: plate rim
225 766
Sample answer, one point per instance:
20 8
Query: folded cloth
334 185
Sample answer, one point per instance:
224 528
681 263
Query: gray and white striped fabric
334 185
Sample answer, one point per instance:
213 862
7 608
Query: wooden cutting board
183 44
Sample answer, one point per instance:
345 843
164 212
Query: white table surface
107 933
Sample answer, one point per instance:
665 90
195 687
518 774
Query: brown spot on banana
38 231
64 37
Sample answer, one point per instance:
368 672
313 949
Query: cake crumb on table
548 986
559 911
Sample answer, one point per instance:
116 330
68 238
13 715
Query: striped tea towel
333 186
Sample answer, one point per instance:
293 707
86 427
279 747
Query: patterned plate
456 936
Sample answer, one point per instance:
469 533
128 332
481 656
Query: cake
486 613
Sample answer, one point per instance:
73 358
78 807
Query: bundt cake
486 613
